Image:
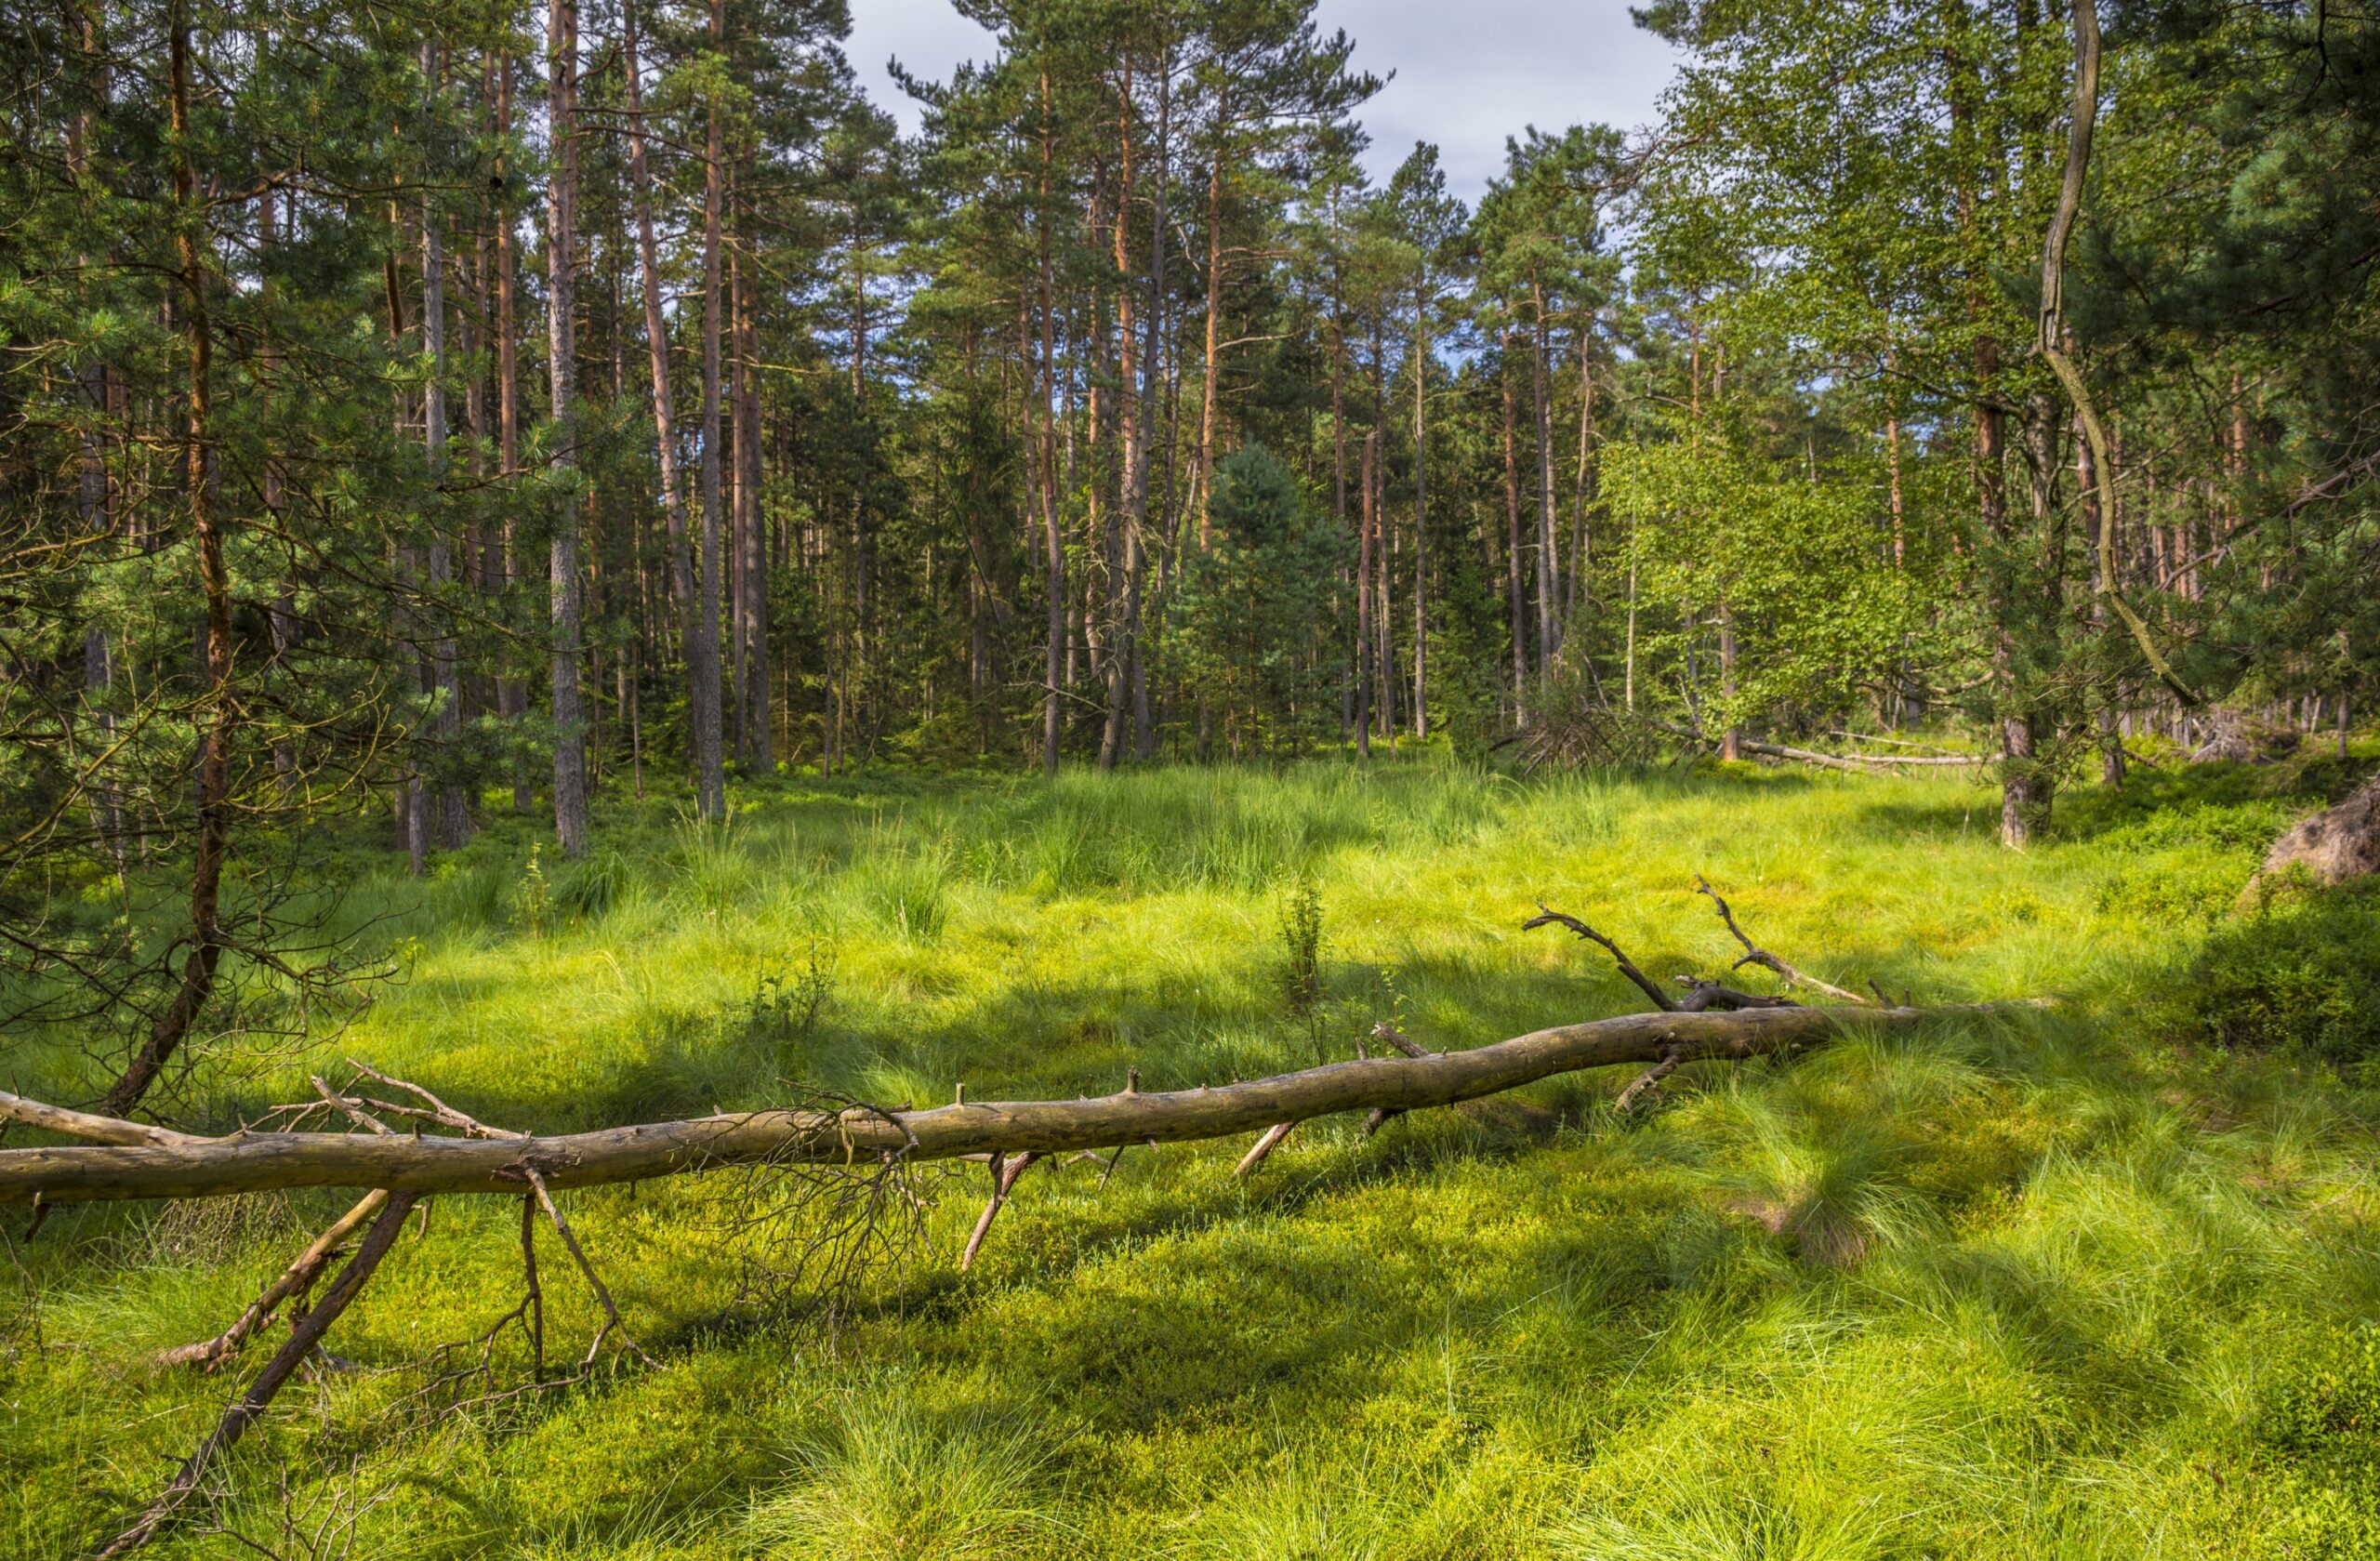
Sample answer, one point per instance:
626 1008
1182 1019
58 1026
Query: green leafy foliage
2297 972
1255 616
2320 1436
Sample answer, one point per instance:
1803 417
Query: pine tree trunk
657 333
1208 392
1513 520
1054 554
1420 522
220 709
1582 484
1125 649
512 693
1364 533
758 749
702 650
1549 561
562 345
453 823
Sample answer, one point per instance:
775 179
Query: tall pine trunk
512 693
657 333
702 646
1054 552
1421 519
1549 560
453 824
217 713
1513 587
755 746
562 347
1363 533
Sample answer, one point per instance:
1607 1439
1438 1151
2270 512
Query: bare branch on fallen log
1264 1146
1702 997
1645 984
1755 955
432 1109
244 1409
1646 1084
1005 1170
295 1280
1377 1118
612 1323
263 1161
84 1125
1396 1038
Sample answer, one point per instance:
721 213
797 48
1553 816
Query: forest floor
2087 1282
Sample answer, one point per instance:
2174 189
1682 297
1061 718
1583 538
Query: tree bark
453 823
1549 562
512 693
561 339
220 711
1206 394
757 750
1124 650
1513 519
702 648
1367 531
1054 552
259 1162
656 333
1420 517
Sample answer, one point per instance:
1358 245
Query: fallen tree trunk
1858 764
1853 760
248 1162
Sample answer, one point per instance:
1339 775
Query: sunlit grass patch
2019 1285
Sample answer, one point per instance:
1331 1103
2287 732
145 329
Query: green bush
2183 865
2321 1434
2303 971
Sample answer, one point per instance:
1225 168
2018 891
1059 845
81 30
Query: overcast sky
1469 73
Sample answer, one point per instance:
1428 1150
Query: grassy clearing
2081 1284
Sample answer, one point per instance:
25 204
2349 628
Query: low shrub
2302 971
2321 1437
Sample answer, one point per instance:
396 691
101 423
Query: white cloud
1468 74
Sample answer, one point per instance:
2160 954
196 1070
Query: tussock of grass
884 1477
2073 1284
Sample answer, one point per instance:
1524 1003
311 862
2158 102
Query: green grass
2068 1284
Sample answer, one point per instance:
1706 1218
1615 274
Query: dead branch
295 1280
432 1110
1755 955
1701 996
250 1404
612 1323
1857 764
84 1125
1264 1146
1005 1170
1645 984
1648 1084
